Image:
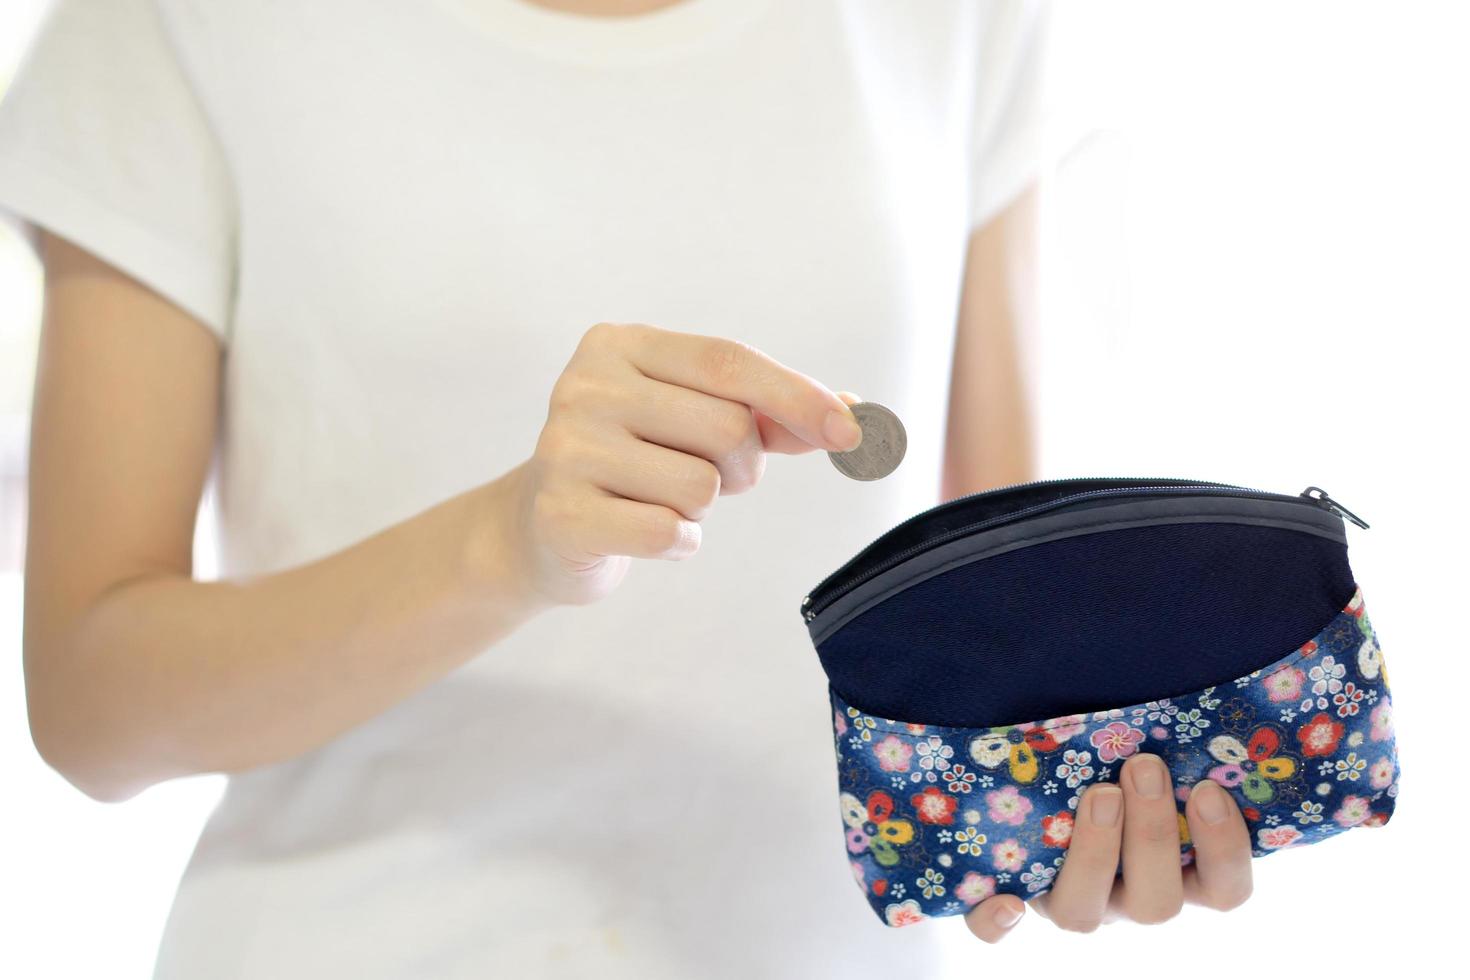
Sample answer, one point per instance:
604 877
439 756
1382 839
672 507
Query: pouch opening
1089 622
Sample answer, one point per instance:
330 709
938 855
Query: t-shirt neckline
668 33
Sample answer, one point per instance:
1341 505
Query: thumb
993 919
776 438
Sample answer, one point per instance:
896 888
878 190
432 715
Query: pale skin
136 673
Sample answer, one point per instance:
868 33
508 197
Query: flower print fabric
938 819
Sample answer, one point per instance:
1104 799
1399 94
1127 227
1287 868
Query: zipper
855 572
1334 506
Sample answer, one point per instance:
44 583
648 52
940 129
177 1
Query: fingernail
1148 776
1007 916
1212 804
841 430
1107 803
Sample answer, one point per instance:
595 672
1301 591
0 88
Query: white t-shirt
399 217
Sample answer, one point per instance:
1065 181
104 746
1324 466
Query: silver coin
880 452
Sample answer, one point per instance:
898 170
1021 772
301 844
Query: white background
1256 272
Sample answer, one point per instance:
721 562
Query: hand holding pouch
991 657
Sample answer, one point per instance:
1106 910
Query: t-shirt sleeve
1008 118
103 141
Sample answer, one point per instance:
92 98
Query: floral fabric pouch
991 657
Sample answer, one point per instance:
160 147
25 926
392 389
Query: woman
478 301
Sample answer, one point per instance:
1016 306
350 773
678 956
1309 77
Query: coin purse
990 658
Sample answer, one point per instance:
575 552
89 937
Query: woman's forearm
163 676
991 440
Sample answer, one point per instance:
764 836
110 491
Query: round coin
880 452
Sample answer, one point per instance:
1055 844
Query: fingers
645 429
737 372
605 493
1152 882
715 429
639 470
1146 834
995 917
1078 901
1221 874
589 528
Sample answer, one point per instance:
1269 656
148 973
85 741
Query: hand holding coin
646 429
883 446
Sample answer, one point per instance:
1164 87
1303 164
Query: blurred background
1256 270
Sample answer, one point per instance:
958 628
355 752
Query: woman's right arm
135 673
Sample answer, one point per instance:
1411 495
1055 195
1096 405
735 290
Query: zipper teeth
1225 489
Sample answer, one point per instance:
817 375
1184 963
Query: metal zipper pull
1333 505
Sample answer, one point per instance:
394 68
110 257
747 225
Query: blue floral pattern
938 819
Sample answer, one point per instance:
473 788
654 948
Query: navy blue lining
1089 622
